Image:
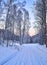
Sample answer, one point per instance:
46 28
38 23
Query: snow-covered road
30 54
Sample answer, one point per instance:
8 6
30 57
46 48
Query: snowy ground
28 54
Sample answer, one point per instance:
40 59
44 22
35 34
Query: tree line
40 19
17 17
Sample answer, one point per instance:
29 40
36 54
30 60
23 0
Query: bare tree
9 21
19 24
26 25
1 19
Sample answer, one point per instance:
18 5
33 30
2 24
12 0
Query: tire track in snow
44 50
32 57
28 60
22 57
28 55
43 56
8 58
38 56
15 58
